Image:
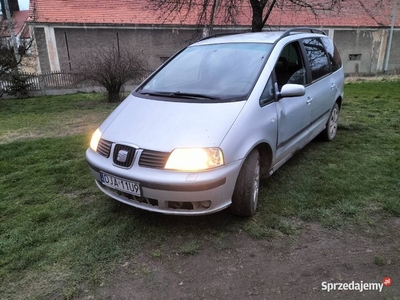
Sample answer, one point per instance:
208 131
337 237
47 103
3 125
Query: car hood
165 125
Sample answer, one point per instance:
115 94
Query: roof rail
297 29
222 34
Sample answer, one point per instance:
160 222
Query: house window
354 56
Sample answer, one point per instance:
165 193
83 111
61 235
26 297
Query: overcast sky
23 4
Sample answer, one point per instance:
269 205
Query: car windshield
209 72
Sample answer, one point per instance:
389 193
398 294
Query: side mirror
293 90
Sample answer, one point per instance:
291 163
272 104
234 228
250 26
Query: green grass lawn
59 234
51 116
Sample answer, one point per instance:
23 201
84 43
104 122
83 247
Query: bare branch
111 68
229 10
268 12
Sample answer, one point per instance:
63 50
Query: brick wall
360 49
154 44
42 49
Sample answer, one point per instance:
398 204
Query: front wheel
245 195
329 132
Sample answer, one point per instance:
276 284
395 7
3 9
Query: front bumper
170 192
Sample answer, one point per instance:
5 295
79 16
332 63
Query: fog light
180 205
177 205
206 204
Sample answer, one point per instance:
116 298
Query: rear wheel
245 195
329 132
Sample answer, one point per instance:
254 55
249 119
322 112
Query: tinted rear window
333 53
317 58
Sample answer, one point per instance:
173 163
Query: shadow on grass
353 127
174 223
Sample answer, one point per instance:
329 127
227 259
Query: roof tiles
19 18
351 13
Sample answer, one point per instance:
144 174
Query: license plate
120 184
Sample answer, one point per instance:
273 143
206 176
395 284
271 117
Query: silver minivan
195 137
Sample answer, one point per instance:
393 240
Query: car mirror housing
292 90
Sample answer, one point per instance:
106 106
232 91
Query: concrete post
390 36
52 48
383 35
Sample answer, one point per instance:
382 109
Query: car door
293 113
321 91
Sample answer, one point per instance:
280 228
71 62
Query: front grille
123 155
104 147
153 159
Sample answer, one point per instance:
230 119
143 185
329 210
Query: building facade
63 38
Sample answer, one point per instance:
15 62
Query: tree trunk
113 95
257 20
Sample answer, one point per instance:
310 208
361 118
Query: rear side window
333 53
317 58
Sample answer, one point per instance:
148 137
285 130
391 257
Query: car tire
330 130
245 194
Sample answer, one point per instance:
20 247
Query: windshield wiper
181 95
164 94
194 95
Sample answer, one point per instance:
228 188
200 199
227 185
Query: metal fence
58 80
53 81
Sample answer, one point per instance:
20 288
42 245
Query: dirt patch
288 267
57 128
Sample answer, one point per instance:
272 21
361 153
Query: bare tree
261 9
111 68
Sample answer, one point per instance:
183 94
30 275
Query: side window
268 95
333 54
290 68
317 58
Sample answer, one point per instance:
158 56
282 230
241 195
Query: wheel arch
266 156
339 102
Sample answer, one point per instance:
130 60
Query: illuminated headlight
95 139
193 159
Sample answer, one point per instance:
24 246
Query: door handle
333 86
309 100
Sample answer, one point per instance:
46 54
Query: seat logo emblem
122 156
